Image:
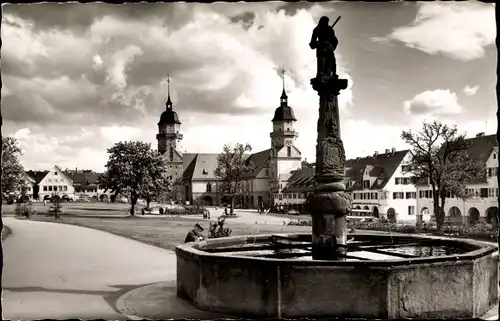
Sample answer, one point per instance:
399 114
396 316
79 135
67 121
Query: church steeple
284 97
169 101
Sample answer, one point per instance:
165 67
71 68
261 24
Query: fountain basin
463 284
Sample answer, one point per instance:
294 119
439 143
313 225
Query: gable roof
188 164
205 166
82 178
300 181
259 160
381 166
480 149
37 176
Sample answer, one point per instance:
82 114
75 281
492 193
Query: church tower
169 136
284 156
169 143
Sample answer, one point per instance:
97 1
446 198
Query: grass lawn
166 232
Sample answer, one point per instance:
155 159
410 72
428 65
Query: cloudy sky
79 77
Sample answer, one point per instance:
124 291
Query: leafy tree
155 184
56 206
441 156
13 175
232 165
134 169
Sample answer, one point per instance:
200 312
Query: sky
77 78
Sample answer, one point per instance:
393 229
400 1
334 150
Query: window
491 192
55 173
204 172
398 181
494 156
171 156
294 196
411 195
280 196
492 171
289 151
411 210
266 172
406 181
405 168
398 195
366 184
209 187
45 188
484 193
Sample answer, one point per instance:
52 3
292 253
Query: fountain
373 275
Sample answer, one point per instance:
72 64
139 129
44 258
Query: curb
6 232
122 307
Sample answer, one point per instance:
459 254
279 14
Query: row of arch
473 213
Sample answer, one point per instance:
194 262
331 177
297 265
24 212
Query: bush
186 210
483 232
217 229
300 222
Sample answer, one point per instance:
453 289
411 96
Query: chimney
76 170
387 150
393 149
375 154
480 134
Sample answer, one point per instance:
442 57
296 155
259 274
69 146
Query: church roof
259 161
169 117
199 167
284 113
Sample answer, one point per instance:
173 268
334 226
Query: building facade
380 183
50 183
482 204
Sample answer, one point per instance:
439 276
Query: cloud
116 60
433 103
470 91
459 30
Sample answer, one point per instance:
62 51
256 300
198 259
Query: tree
155 184
441 157
232 165
13 175
136 170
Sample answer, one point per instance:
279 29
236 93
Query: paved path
59 271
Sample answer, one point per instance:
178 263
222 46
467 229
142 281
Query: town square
232 160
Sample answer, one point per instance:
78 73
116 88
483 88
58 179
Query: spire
283 97
169 101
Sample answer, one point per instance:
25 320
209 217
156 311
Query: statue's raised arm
325 42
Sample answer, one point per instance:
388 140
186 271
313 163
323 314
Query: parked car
293 212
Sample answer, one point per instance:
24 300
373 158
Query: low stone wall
462 285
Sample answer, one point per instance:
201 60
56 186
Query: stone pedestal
328 204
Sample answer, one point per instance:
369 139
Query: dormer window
204 172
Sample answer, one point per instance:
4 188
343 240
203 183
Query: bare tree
441 158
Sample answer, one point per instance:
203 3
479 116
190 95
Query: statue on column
325 42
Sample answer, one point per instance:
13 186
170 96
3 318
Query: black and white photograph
250 160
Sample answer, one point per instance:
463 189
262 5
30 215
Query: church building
193 173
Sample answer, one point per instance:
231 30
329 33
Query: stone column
329 204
